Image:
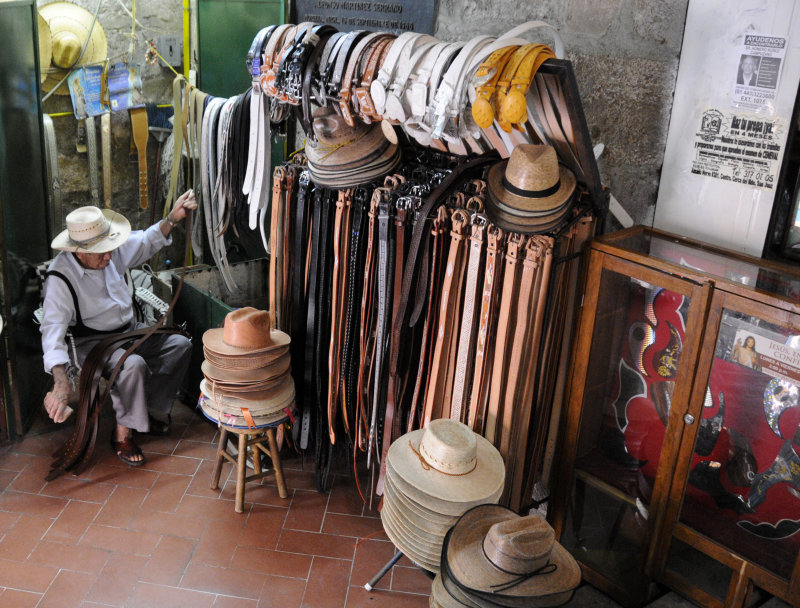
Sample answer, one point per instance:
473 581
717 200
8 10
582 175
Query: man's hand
185 204
56 401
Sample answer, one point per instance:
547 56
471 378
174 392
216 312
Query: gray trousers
149 378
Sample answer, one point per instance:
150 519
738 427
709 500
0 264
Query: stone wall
625 55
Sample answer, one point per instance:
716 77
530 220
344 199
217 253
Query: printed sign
85 88
738 147
386 16
768 356
758 72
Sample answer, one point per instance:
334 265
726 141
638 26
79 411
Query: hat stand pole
374 581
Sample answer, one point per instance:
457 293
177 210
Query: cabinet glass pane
705 572
743 489
636 348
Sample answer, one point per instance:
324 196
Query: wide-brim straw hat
69 26
441 598
341 155
261 402
248 361
411 549
447 467
530 191
279 366
493 554
45 46
239 420
246 331
92 230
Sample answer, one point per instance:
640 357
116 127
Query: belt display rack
404 302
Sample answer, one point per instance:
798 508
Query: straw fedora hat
92 230
70 25
493 554
530 191
246 331
262 401
447 467
441 598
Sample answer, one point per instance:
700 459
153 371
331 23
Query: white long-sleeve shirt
103 296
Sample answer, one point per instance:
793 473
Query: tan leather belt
466 344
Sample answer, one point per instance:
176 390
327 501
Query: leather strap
466 345
105 140
311 77
495 238
345 92
409 58
91 149
298 300
366 107
278 193
386 72
514 244
437 398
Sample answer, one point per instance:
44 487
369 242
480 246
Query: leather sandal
158 427
126 450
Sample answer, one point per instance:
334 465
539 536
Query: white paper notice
738 147
758 71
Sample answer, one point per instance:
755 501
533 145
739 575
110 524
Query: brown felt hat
246 331
248 361
493 554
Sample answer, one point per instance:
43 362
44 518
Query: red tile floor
158 536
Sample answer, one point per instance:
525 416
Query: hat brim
529 204
525 224
452 494
400 541
471 570
118 232
272 370
213 341
238 420
258 402
249 361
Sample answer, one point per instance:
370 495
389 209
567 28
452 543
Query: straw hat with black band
530 192
499 558
92 230
71 27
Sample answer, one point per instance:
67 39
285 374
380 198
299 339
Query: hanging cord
83 50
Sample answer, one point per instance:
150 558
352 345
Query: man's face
748 66
94 261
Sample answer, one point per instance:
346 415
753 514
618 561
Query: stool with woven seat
251 439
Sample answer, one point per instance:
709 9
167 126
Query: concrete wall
625 55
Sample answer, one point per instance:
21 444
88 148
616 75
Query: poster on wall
758 72
738 147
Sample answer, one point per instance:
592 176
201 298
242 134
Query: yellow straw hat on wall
70 25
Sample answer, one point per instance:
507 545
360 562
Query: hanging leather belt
466 344
383 293
350 354
439 228
484 345
520 429
366 332
338 292
298 300
284 287
278 188
91 149
310 403
504 331
438 395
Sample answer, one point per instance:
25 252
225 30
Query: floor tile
361 598
75 488
226 601
371 556
68 589
327 583
277 563
119 540
168 562
167 523
73 521
307 511
410 580
117 579
147 595
121 506
166 493
19 599
26 576
70 557
279 592
32 504
352 525
23 537
314 543
226 581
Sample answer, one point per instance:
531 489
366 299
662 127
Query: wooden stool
254 440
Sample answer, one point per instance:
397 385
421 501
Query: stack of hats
530 192
247 381
343 156
494 557
434 475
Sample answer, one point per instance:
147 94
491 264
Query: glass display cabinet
679 454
